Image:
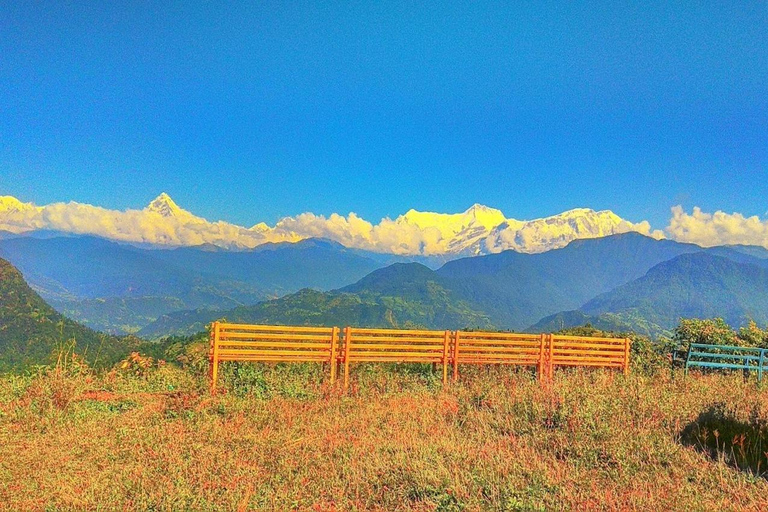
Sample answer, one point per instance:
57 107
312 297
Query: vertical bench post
626 356
542 358
456 336
551 357
347 342
215 357
334 348
760 365
446 347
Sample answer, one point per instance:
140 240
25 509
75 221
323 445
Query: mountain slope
698 285
32 332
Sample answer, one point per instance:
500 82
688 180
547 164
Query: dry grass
278 439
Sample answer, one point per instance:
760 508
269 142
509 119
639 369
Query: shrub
136 364
712 331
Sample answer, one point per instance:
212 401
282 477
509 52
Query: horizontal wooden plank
274 359
590 363
393 346
384 339
522 362
272 353
376 353
591 351
395 359
588 339
272 336
498 350
570 345
576 360
395 354
500 357
499 343
393 332
500 335
257 327
261 345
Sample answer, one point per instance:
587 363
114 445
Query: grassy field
279 438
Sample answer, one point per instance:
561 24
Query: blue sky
267 109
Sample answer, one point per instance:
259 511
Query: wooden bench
587 351
724 357
498 348
394 346
272 343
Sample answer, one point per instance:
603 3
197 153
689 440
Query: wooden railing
273 343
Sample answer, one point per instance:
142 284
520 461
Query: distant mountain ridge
519 291
510 290
478 230
423 304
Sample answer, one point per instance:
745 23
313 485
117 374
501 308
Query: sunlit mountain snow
478 230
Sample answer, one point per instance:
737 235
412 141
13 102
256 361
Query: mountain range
478 230
621 282
695 285
162 270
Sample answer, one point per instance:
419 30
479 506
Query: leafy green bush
712 331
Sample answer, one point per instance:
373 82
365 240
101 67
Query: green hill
32 332
698 285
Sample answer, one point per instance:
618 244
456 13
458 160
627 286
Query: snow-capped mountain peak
11 204
165 206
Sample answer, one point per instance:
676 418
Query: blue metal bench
724 357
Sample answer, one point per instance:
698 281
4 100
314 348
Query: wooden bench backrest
273 343
497 348
394 346
588 351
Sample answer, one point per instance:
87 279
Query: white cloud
719 228
478 230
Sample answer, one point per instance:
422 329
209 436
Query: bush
138 365
712 331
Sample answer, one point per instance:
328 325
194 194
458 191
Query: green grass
280 438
